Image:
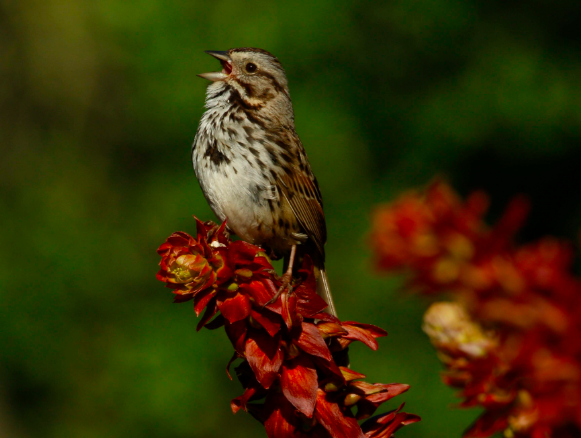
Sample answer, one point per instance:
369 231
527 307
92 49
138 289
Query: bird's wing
299 187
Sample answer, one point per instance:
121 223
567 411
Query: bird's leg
286 277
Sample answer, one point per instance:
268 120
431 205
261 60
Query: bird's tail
341 357
323 288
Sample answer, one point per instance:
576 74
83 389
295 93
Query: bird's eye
251 67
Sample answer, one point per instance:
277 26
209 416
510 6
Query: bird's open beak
226 62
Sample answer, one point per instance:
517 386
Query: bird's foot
285 284
285 279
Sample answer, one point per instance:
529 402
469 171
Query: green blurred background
99 104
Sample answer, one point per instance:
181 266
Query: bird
252 167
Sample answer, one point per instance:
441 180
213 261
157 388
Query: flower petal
202 298
365 333
350 375
289 309
327 317
388 392
242 252
216 323
258 291
308 302
329 414
240 402
237 334
232 359
211 310
235 308
264 356
330 368
383 426
299 383
374 395
281 421
201 230
331 329
311 341
267 319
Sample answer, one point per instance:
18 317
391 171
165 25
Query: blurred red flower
291 350
511 342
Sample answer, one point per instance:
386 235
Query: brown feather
301 193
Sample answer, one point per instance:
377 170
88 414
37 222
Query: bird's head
254 73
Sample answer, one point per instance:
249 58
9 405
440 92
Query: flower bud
351 399
331 387
233 287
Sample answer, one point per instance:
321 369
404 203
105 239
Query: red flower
290 349
513 346
189 265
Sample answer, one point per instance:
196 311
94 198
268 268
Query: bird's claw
285 283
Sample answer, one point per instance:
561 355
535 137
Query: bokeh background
99 104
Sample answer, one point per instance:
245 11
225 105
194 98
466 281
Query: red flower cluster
291 348
516 348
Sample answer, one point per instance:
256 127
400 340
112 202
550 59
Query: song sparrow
252 166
